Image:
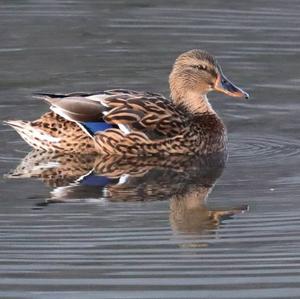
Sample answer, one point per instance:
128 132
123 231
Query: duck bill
225 86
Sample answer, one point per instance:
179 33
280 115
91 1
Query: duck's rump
51 132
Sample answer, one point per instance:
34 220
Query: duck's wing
82 106
154 115
148 113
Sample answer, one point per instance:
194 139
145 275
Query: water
159 237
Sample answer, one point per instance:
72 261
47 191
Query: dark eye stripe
200 67
204 68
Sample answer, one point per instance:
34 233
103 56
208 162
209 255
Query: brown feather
72 138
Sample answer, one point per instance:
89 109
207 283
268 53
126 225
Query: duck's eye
200 67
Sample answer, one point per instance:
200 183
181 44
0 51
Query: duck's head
196 73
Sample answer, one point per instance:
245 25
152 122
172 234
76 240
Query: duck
138 123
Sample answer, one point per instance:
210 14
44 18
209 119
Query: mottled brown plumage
132 123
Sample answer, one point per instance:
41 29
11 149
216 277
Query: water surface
237 235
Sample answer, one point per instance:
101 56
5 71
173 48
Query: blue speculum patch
93 180
94 127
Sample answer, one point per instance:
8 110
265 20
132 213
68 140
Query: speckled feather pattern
204 134
53 133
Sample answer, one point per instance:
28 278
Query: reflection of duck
185 181
131 123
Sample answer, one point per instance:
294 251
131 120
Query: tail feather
15 123
33 135
54 134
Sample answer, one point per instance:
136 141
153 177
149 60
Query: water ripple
258 149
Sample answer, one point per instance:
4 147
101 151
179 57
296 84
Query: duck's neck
194 102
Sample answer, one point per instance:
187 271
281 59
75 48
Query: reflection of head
190 214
